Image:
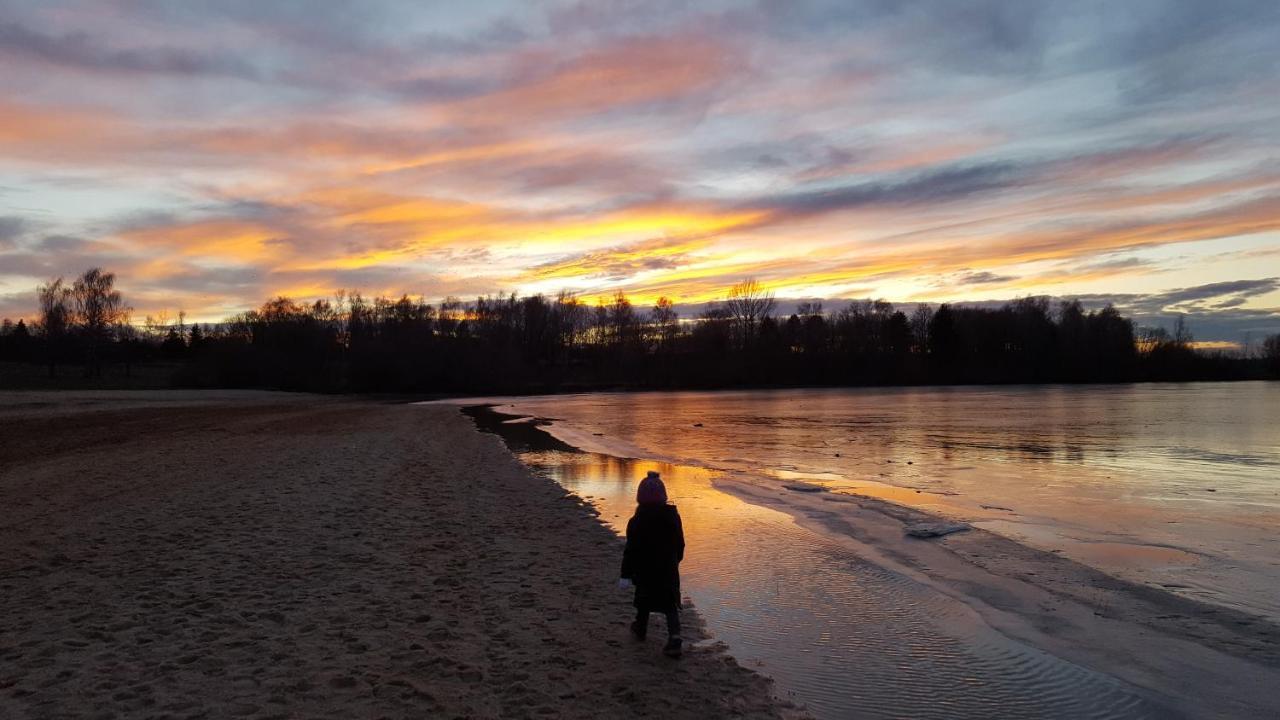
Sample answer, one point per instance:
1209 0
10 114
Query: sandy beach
265 555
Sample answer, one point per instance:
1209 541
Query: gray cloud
621 262
1172 49
81 51
17 304
1127 263
1167 302
1212 311
12 227
444 87
212 280
1158 51
1243 289
988 35
1226 325
44 264
935 186
60 243
502 33
982 278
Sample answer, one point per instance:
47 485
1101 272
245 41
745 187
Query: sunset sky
214 154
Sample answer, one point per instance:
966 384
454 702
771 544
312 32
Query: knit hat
651 490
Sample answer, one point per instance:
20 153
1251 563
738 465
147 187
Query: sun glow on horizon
833 151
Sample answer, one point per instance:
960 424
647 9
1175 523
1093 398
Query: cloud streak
214 154
82 52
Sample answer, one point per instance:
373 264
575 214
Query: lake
1175 485
1168 485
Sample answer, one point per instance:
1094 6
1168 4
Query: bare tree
665 321
809 309
1271 353
55 318
1182 336
572 321
624 324
749 304
453 314
1149 339
920 327
99 310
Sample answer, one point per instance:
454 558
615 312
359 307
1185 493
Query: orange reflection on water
717 525
841 633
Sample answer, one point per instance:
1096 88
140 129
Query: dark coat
651 560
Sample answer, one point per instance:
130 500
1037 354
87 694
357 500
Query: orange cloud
825 267
652 255
411 225
219 240
40 133
1246 218
630 73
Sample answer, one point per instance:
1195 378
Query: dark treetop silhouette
540 344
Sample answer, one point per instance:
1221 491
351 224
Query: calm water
1116 476
1173 485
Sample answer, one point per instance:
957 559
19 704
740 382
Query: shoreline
272 555
1151 561
1149 637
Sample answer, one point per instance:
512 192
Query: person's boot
674 647
638 631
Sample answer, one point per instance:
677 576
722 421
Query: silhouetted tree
9 340
195 340
944 344
665 322
748 305
896 338
1112 348
99 312
710 344
1271 354
509 343
21 335
173 346
55 306
920 319
1073 346
1169 356
1181 333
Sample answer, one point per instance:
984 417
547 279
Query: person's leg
640 628
675 645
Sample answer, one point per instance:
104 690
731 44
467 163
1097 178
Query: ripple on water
846 637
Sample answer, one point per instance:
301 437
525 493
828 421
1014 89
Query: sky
214 154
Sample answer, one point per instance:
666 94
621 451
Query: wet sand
262 555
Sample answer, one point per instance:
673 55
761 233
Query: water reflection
848 638
1195 467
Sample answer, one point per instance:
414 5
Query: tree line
511 344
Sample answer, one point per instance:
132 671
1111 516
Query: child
651 560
